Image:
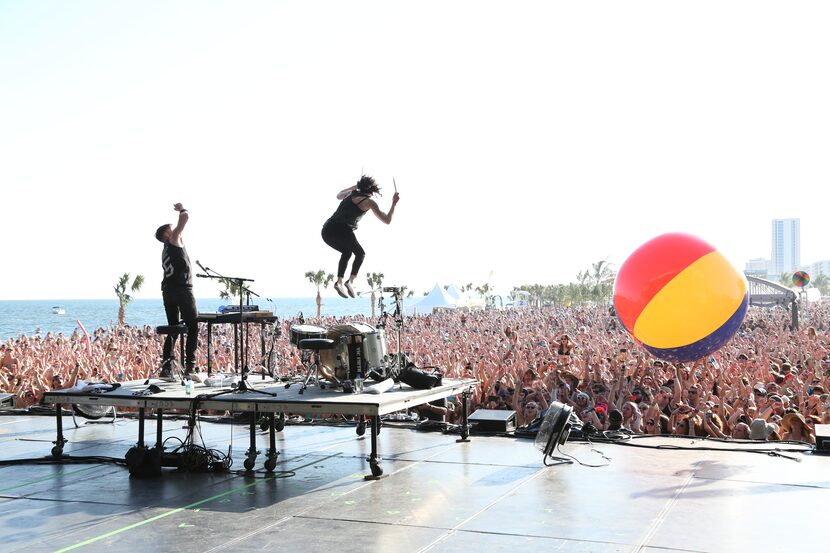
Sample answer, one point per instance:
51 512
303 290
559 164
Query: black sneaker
166 372
167 375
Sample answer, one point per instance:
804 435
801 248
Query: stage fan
555 429
92 412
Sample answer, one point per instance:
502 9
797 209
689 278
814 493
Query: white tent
456 294
437 298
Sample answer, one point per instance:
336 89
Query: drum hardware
393 363
315 346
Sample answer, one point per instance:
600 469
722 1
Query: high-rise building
786 245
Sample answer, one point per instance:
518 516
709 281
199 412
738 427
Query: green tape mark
161 516
180 509
50 477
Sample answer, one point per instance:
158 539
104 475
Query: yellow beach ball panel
693 305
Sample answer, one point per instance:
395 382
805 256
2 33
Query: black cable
628 440
64 460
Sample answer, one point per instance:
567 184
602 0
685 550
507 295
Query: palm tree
319 278
231 289
375 281
786 279
822 282
484 291
123 297
601 279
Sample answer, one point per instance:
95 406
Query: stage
489 494
436 495
259 396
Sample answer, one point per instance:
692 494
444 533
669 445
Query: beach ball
679 297
801 279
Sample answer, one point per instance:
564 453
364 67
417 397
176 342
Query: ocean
29 316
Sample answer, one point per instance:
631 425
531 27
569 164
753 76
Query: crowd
768 382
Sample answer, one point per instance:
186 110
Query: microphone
201 266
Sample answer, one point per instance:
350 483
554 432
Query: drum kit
342 354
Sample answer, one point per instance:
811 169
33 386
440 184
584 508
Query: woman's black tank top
349 213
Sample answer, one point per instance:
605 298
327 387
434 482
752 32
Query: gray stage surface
489 494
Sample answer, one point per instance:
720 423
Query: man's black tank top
348 212
176 265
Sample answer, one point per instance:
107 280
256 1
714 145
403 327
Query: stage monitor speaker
493 420
823 439
6 401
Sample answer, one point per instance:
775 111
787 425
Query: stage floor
490 494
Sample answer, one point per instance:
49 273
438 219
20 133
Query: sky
528 140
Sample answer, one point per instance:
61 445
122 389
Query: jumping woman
338 231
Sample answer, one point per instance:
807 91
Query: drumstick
395 185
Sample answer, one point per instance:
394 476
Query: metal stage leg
465 423
159 421
140 428
374 459
59 442
271 456
251 454
238 348
209 347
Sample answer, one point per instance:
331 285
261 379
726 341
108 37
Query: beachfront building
758 267
819 268
786 245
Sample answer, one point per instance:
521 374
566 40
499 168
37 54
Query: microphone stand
239 357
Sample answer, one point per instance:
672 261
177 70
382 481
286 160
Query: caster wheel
322 386
270 465
376 470
361 428
301 391
57 451
279 425
263 425
248 464
287 386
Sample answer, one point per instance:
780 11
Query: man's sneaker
167 375
338 286
166 371
350 290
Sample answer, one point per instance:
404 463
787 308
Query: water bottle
358 382
188 384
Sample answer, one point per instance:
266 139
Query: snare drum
301 332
